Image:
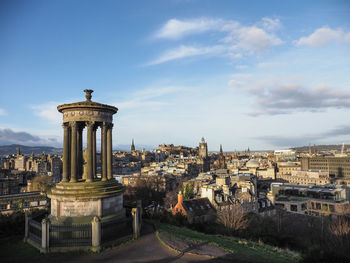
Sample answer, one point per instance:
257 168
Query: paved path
146 249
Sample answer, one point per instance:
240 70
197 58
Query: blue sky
258 74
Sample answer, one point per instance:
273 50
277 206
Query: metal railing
70 235
34 231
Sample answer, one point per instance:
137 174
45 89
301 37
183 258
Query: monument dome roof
87 104
252 164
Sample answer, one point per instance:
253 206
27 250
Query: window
293 208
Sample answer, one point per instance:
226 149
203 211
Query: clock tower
203 159
203 149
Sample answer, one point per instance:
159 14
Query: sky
257 74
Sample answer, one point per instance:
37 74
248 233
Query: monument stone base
80 202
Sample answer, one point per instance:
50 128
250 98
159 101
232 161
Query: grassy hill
238 250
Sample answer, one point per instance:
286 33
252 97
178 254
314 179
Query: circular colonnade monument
80 195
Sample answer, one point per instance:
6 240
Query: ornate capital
90 124
73 124
108 125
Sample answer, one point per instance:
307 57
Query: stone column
26 226
96 233
135 222
73 168
65 173
109 152
104 151
89 150
94 152
80 150
44 234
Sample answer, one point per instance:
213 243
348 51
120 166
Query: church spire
132 145
221 148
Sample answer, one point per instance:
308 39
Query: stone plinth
84 199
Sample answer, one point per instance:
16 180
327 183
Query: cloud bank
323 36
305 139
9 136
233 40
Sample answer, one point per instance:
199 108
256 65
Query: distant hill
330 147
12 149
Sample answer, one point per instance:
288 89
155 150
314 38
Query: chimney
179 198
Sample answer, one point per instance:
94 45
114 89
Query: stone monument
86 210
77 198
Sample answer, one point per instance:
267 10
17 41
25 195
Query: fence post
26 226
96 234
48 224
44 234
135 222
139 208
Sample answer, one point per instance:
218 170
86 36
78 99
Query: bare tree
234 218
340 234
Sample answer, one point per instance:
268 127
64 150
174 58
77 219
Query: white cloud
175 29
150 98
234 40
241 75
324 35
49 112
270 24
252 39
270 64
15 136
186 51
241 67
2 112
236 83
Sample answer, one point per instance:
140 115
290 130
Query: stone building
300 177
20 160
22 201
312 200
198 210
337 167
286 168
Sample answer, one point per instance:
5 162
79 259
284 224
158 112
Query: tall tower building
203 149
132 145
222 163
203 156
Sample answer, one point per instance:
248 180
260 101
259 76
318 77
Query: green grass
14 249
240 250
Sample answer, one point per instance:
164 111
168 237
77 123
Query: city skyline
239 74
